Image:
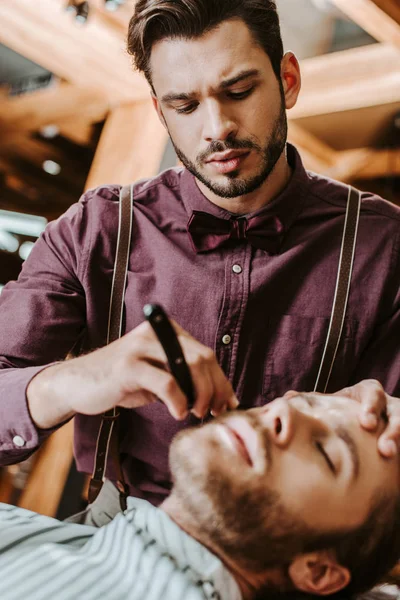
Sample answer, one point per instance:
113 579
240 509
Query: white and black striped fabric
140 555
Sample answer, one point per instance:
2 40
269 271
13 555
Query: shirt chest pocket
295 348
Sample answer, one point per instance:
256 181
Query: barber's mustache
233 144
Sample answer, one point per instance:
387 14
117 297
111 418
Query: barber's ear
291 79
157 107
318 573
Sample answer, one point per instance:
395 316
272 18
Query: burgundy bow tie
209 232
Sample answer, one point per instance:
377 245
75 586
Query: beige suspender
343 280
106 441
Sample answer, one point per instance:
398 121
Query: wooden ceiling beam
51 106
345 165
367 163
78 131
317 155
348 80
92 55
380 18
131 146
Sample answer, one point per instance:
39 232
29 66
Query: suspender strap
346 261
107 439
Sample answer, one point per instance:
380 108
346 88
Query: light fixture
22 224
49 131
25 249
113 5
8 241
82 12
80 9
51 167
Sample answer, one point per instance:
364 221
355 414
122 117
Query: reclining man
292 496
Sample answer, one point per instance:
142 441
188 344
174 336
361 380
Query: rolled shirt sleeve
19 435
42 315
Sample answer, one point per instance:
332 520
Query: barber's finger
202 359
224 397
163 385
389 441
152 352
373 401
203 388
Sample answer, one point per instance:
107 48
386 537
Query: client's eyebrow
344 435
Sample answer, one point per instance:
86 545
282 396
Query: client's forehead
333 401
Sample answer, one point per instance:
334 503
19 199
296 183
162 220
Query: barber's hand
377 404
129 372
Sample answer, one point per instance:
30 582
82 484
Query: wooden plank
316 154
348 80
131 146
52 106
23 157
6 482
89 56
380 18
77 130
47 480
368 163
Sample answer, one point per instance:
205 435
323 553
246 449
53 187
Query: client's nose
283 420
278 419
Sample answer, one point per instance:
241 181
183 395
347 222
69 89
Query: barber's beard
242 518
235 185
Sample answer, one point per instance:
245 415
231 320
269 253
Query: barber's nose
218 125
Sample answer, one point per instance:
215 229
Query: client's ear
318 573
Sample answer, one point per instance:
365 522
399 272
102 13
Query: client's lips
242 438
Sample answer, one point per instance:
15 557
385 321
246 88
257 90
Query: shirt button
18 441
226 340
237 269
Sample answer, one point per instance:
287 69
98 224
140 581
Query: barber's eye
320 447
240 95
186 110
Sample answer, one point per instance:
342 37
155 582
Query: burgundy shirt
274 308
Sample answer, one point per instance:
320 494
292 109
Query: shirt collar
286 205
181 547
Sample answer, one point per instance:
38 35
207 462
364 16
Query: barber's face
303 461
216 94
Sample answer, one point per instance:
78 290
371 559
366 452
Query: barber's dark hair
369 552
155 20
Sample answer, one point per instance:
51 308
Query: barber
240 246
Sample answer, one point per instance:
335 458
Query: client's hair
369 552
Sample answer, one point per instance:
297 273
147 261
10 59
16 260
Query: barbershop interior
75 115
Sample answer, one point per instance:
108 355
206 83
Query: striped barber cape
140 555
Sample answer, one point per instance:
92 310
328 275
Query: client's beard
248 524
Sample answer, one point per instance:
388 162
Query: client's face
271 474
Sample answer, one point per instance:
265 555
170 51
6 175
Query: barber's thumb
233 402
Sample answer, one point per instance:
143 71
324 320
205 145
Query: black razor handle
168 339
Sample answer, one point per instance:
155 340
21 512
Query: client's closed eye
320 447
